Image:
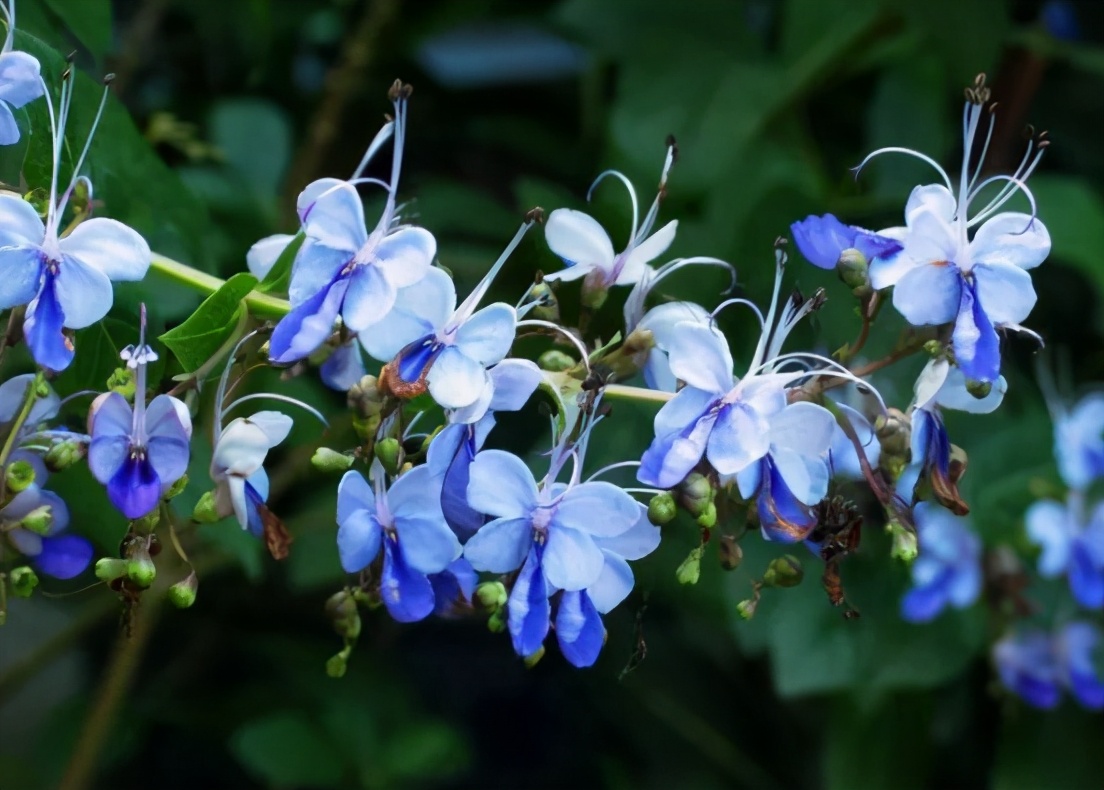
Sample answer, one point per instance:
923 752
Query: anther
673 145
395 91
108 78
535 214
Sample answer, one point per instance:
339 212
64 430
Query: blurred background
223 111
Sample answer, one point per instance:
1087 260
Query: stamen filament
897 150
632 196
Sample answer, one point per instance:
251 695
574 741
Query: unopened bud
496 623
905 546
390 454
140 567
708 517
853 269
491 595
365 398
784 571
532 659
327 460
109 569
979 389
662 509
23 581
337 664
555 361
206 509
341 608
177 488
121 381
934 348
39 520
728 549
183 593
18 476
690 569
547 307
63 455
695 492
746 608
594 292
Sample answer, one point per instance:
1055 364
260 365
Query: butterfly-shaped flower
948 570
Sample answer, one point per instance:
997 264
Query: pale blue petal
419 311
405 256
749 480
579 629
313 269
306 327
571 560
596 508
84 293
1011 239
1005 292
515 380
335 218
20 274
407 496
488 334
682 411
975 342
501 485
369 299
670 458
929 294
115 250
500 546
640 540
262 256
344 367
613 585
456 380
354 493
20 224
739 438
428 544
804 427
9 127
954 395
805 475
168 440
579 240
476 410
19 78
700 357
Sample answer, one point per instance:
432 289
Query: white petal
933 199
515 380
83 292
419 310
117 251
647 251
263 254
803 427
930 380
333 215
488 334
929 294
579 240
1013 239
456 380
406 255
19 222
699 356
1005 292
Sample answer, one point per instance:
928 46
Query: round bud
555 361
327 460
690 569
547 307
23 581
662 509
695 492
18 476
39 520
390 454
183 593
337 664
730 553
108 569
496 623
746 608
594 293
140 568
206 509
63 455
708 517
853 269
365 398
491 595
979 389
905 546
341 608
784 571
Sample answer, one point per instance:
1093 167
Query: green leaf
1074 214
254 137
279 276
286 751
197 339
88 20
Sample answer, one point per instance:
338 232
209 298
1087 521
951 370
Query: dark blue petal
461 517
822 239
307 326
922 604
414 359
872 246
579 629
407 594
135 489
1088 689
1086 577
781 515
1059 17
42 329
529 609
978 358
453 587
253 515
63 556
1027 666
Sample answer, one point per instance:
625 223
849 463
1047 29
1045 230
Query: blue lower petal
460 516
781 515
1086 578
63 556
253 515
407 594
415 358
307 326
579 629
922 604
529 609
975 342
135 489
1088 689
42 329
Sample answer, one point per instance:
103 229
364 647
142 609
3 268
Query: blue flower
661 321
551 532
453 588
409 527
942 275
20 79
948 571
1072 544
1075 646
1079 441
1028 667
56 554
342 269
843 458
65 281
12 395
237 466
823 239
344 367
139 452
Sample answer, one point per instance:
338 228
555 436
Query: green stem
625 392
24 412
259 304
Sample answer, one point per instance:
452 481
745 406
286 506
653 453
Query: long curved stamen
73 396
557 328
9 17
397 155
464 311
648 491
757 359
984 152
611 467
1022 171
833 368
703 260
368 180
282 398
897 150
413 421
382 136
1008 194
220 393
661 192
138 360
632 196
50 210
87 144
970 118
746 303
791 317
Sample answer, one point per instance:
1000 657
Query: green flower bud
327 460
662 509
23 581
121 381
904 542
365 398
183 593
547 307
746 608
934 348
533 659
108 569
784 571
491 595
555 360
708 517
63 455
728 549
979 389
690 569
337 664
894 432
177 488
594 293
18 476
852 268
147 523
140 567
206 509
341 608
390 454
695 492
39 520
366 427
496 623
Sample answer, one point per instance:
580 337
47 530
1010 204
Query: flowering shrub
437 512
